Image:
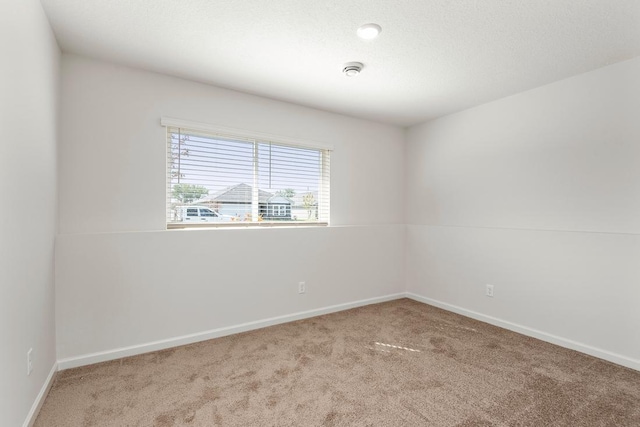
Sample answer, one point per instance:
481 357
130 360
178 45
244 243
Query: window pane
244 180
293 176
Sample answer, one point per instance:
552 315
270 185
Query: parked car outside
199 214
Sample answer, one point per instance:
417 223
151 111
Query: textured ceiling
432 58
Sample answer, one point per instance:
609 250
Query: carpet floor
399 363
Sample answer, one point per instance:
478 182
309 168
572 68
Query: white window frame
258 137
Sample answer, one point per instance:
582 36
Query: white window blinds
215 179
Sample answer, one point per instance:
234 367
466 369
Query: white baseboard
553 339
37 404
118 353
88 359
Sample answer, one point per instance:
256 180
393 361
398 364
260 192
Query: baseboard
553 339
37 404
88 359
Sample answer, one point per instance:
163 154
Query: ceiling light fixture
352 69
369 31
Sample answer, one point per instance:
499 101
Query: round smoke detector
352 69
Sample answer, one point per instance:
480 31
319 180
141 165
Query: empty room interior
334 213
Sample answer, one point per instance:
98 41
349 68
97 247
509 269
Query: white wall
120 290
539 195
29 86
122 280
112 156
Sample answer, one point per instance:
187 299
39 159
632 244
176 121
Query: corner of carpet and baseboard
42 395
134 350
609 356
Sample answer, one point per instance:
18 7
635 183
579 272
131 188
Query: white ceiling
433 57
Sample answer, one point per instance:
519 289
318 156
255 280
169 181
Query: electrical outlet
302 287
29 361
490 291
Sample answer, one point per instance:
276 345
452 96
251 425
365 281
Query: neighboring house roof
242 193
277 199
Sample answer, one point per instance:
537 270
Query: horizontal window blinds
219 180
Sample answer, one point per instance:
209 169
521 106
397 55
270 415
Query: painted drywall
29 84
539 195
122 280
112 155
129 289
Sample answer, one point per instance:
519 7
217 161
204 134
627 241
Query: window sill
236 225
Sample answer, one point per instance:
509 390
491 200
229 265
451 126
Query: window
207 212
244 179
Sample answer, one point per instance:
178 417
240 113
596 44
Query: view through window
221 180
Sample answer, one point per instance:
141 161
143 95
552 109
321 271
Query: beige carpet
400 363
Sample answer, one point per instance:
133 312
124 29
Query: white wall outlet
302 287
29 361
489 291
